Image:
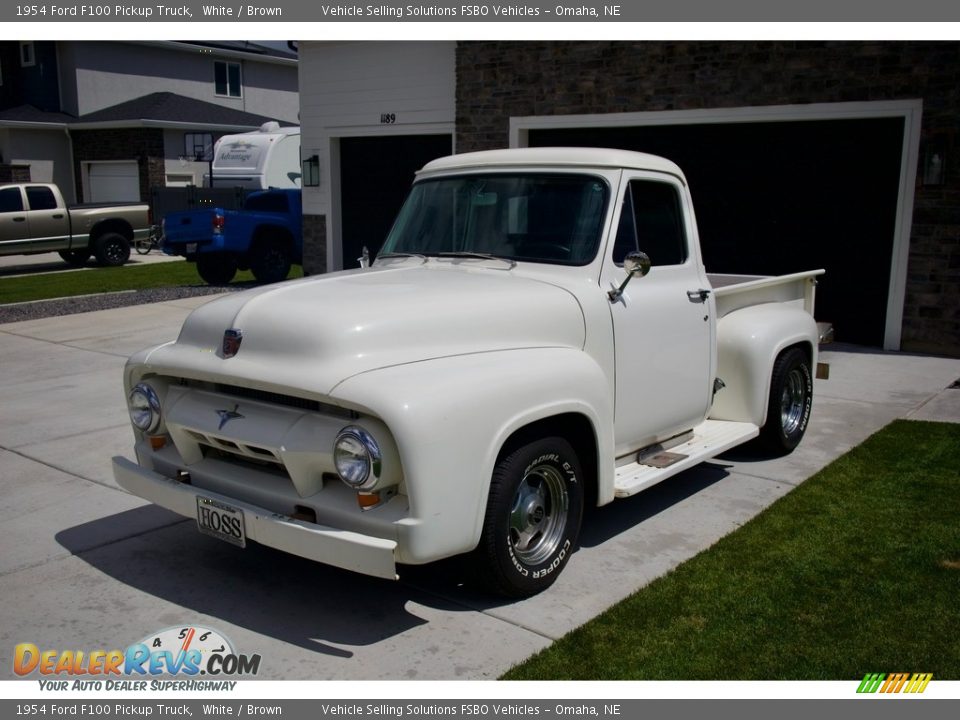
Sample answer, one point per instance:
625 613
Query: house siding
344 89
105 74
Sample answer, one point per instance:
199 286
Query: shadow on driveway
281 596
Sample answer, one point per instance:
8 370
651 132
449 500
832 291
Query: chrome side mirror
635 263
364 259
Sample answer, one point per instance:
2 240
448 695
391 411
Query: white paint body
443 360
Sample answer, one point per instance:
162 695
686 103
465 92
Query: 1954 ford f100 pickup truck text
537 333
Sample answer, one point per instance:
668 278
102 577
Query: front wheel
533 518
216 268
791 399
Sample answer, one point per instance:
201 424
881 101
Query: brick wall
498 80
314 244
142 144
14 173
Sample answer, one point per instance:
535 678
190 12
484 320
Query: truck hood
310 335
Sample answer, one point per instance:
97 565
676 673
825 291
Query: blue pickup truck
266 237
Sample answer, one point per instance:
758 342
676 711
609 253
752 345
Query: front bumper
340 548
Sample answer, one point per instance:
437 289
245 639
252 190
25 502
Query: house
800 155
108 121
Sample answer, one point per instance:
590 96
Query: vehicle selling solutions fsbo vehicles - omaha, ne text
537 333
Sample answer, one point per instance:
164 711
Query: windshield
525 217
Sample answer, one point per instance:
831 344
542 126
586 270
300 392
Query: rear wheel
533 518
76 258
791 399
270 261
111 249
217 268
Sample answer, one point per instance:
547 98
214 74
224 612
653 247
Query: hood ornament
228 415
231 342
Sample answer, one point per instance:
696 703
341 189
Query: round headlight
144 406
357 457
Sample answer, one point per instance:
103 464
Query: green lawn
101 280
855 571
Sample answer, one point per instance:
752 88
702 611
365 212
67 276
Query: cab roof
553 157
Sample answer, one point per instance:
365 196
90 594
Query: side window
659 221
41 198
651 220
10 200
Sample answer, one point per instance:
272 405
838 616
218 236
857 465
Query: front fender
451 416
748 343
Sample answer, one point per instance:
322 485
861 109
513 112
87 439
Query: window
10 200
651 220
27 57
531 217
1 73
41 198
267 202
198 146
226 79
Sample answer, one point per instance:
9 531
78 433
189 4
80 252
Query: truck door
662 324
14 228
49 222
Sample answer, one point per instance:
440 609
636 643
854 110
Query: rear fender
748 343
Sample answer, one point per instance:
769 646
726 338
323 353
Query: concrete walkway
87 566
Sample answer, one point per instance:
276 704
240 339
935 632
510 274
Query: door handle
19 219
58 216
698 296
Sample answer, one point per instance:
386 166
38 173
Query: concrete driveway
87 566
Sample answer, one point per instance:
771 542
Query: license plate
221 521
191 248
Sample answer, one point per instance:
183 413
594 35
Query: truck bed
733 292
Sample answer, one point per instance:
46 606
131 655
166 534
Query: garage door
113 182
778 197
375 177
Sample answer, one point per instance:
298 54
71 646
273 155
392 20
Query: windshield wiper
477 255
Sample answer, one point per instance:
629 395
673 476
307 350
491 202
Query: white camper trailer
268 157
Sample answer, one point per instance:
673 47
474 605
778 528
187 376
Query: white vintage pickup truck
537 333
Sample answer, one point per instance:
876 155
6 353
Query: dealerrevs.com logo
890 683
188 650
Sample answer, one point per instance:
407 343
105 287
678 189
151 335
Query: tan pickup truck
34 219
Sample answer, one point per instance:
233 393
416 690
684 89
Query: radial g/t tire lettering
532 524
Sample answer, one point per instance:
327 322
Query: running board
710 438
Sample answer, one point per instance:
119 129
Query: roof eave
161 124
187 46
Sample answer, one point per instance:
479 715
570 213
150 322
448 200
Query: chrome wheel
793 401
789 402
534 509
538 516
